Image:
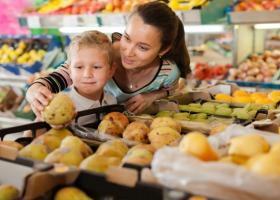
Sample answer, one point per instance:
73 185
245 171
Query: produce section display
256 5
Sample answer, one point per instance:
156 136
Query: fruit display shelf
253 17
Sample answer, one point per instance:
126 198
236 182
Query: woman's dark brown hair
171 28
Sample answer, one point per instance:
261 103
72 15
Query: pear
223 105
163 130
74 142
266 164
111 126
196 144
241 113
236 159
113 148
12 144
61 133
117 116
165 121
34 151
181 116
99 163
218 128
8 192
60 110
165 113
137 131
208 108
138 156
71 193
248 145
49 140
65 156
223 111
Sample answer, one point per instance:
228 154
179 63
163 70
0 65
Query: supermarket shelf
92 20
13 80
254 17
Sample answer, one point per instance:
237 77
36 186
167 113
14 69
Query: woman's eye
78 67
143 48
126 38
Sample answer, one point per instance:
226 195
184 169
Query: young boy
90 65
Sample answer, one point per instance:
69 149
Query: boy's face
90 70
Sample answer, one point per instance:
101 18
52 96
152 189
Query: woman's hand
39 97
140 102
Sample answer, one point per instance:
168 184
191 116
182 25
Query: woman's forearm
57 80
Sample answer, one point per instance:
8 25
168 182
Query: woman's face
140 44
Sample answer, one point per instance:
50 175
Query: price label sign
33 22
70 21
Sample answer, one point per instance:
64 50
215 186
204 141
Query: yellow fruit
12 144
50 141
8 192
99 163
113 148
263 101
274 93
111 126
248 145
238 93
236 159
76 143
163 130
71 193
242 99
165 121
275 148
65 156
223 97
219 128
137 131
117 116
34 151
267 164
60 110
196 144
61 133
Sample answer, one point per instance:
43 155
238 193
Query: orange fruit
223 97
240 93
275 99
274 93
263 101
242 99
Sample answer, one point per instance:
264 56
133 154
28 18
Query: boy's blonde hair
91 39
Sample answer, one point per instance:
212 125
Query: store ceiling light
267 26
204 28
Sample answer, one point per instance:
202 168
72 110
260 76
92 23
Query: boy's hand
64 125
39 97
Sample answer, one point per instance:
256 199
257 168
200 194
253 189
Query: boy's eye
97 67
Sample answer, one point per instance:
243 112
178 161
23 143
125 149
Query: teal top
166 79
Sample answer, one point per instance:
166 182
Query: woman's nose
129 50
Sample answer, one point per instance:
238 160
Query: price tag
33 22
70 21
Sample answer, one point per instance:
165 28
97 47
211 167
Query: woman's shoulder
169 67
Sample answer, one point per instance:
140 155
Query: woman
150 57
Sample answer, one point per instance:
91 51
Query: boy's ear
112 70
